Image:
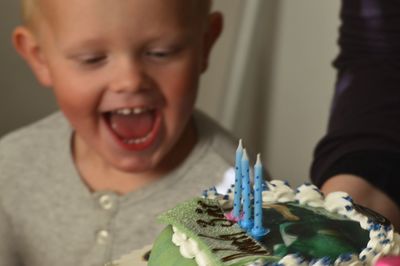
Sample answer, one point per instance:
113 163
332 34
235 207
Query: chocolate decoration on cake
244 244
146 256
215 222
212 211
372 215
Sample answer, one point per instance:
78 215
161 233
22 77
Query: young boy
85 186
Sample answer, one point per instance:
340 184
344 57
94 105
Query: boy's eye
92 60
159 54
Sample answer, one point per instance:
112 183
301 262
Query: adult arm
360 153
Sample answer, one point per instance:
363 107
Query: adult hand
365 194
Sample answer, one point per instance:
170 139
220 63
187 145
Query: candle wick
258 159
245 156
240 146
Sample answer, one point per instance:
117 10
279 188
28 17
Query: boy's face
125 73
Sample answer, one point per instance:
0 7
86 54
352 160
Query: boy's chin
136 166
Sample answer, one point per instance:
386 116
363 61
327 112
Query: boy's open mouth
134 126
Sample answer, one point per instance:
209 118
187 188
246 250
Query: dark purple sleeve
363 136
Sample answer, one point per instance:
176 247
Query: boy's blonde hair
30 9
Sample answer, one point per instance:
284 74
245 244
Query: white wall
215 78
287 80
22 100
301 85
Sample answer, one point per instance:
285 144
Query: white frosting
360 218
369 256
224 200
278 191
321 262
189 248
310 195
292 260
202 259
350 260
337 202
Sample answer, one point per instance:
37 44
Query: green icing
224 242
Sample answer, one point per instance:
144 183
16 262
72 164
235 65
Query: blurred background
270 79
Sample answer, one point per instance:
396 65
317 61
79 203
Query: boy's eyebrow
81 44
96 42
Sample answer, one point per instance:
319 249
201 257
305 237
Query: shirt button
106 202
102 237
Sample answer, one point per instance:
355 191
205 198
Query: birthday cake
305 228
269 223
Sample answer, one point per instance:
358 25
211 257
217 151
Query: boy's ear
214 30
27 45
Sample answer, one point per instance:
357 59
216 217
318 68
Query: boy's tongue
133 126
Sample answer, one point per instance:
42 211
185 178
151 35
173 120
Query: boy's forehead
74 19
52 9
186 4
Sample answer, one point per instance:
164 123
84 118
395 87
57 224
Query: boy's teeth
125 111
136 141
129 111
137 111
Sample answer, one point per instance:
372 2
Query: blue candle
238 182
246 223
258 230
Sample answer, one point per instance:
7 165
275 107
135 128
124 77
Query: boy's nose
129 77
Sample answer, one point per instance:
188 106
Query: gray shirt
49 217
